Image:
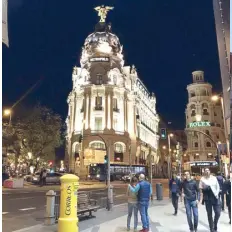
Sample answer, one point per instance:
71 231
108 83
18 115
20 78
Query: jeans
175 199
191 208
131 207
216 206
221 197
143 209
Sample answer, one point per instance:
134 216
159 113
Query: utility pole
109 187
130 161
150 165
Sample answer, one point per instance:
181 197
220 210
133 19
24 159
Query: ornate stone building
204 115
109 102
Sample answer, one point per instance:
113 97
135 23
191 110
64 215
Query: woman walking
132 204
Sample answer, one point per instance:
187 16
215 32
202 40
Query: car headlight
35 178
98 176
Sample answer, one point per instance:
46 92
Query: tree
40 133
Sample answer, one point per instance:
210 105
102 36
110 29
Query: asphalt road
23 208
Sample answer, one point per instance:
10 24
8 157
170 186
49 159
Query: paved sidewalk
161 220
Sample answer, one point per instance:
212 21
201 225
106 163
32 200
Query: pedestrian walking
174 188
210 190
191 194
221 180
43 177
227 192
144 190
132 204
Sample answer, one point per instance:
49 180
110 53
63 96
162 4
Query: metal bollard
111 200
68 220
159 191
50 208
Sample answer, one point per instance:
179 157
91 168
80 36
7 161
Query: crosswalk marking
25 209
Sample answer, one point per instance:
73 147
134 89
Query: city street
26 207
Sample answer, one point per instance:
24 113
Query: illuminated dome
101 43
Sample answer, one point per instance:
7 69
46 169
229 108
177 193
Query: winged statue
103 11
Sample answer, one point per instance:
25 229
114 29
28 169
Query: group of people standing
210 192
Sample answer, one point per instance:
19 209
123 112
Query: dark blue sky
166 40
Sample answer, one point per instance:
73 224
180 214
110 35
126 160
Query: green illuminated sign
199 124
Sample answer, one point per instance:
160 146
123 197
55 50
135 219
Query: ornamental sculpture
102 12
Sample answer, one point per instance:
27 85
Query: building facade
110 106
222 23
205 115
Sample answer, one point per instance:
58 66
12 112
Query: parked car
51 178
29 177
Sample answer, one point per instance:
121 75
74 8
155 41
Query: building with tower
205 115
109 106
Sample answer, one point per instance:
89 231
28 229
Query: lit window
98 145
118 148
98 123
115 124
115 103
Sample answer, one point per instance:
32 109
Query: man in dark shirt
191 194
227 192
174 187
221 180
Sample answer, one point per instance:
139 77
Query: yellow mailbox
68 220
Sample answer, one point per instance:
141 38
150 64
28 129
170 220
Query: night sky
166 40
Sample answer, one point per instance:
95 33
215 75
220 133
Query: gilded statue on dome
102 12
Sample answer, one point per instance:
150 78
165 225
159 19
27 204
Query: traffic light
106 159
50 163
163 133
80 138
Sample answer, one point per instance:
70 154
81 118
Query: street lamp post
216 98
169 156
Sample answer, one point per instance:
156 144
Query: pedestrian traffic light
163 133
106 159
80 138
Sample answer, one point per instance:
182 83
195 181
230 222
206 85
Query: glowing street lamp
164 147
8 112
198 117
29 155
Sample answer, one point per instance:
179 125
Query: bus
117 171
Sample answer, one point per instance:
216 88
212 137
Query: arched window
192 94
205 109
119 147
208 144
196 144
202 92
98 145
115 79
